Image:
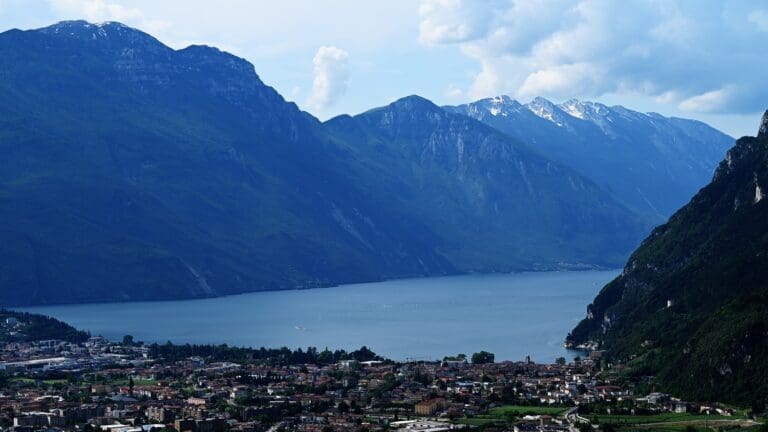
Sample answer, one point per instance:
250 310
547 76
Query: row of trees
482 357
283 355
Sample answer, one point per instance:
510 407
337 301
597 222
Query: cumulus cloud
452 21
708 101
702 58
331 76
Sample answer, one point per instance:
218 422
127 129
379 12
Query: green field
23 380
520 410
503 413
697 425
670 428
658 418
125 382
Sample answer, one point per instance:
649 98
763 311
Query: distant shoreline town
87 383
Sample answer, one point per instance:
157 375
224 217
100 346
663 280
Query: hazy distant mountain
651 163
134 171
692 302
497 205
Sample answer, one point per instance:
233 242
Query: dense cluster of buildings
98 385
56 355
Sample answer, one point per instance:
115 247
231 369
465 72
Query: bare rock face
763 131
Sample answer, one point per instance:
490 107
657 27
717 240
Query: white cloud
450 21
331 76
708 101
573 77
698 58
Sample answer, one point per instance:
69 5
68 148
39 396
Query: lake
511 315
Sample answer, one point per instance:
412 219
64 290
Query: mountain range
650 163
496 204
133 171
692 301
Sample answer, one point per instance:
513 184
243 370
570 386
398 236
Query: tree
128 340
560 361
758 406
363 354
508 394
343 407
325 357
458 357
483 357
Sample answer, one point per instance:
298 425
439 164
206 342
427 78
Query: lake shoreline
319 287
512 315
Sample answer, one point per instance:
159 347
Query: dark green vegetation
26 327
483 357
132 171
506 414
657 418
676 422
692 303
522 410
274 356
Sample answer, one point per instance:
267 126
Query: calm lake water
511 315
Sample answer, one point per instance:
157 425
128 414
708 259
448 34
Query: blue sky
701 59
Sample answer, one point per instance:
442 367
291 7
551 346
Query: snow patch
546 110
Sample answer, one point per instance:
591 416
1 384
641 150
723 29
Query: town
126 386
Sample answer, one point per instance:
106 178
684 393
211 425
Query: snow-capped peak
107 30
74 26
502 105
546 110
497 106
585 110
575 108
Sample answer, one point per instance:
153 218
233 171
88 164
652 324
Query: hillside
132 171
499 205
27 327
692 302
650 163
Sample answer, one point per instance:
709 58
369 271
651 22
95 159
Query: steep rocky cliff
691 303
